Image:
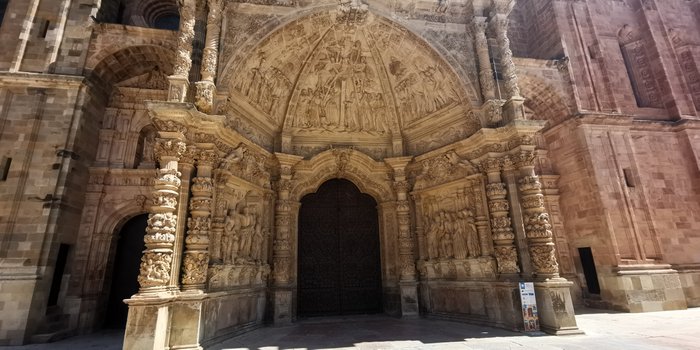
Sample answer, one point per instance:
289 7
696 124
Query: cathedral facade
189 170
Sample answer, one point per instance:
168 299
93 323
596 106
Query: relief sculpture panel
455 235
345 71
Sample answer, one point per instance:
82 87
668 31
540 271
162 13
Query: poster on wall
529 302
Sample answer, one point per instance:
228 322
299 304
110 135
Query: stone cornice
41 80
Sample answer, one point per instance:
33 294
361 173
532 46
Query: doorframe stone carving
300 177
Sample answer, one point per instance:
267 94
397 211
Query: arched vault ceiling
321 73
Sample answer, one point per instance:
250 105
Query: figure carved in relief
433 232
231 239
248 225
468 233
445 236
461 250
343 93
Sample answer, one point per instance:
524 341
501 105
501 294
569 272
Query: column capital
169 149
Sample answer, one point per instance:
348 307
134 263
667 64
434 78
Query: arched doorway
339 264
127 261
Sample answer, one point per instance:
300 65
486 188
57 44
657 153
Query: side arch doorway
125 271
339 263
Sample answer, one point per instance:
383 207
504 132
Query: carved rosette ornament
156 263
196 256
501 223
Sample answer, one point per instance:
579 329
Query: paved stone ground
604 330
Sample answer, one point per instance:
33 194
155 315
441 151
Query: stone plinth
555 307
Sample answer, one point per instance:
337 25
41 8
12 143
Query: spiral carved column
210 57
179 81
196 257
507 65
538 230
501 223
482 53
157 260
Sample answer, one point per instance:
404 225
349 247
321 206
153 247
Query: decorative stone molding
156 263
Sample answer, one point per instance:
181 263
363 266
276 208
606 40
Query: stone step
50 337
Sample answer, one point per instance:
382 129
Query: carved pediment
248 165
443 168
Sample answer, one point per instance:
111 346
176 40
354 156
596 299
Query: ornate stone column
536 220
407 241
179 81
481 44
186 167
157 260
510 79
282 243
501 224
196 256
210 57
513 109
553 293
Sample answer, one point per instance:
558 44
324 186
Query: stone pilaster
501 223
196 256
407 241
179 81
210 57
157 260
488 89
538 230
282 242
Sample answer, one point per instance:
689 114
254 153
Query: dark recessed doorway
125 274
339 261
